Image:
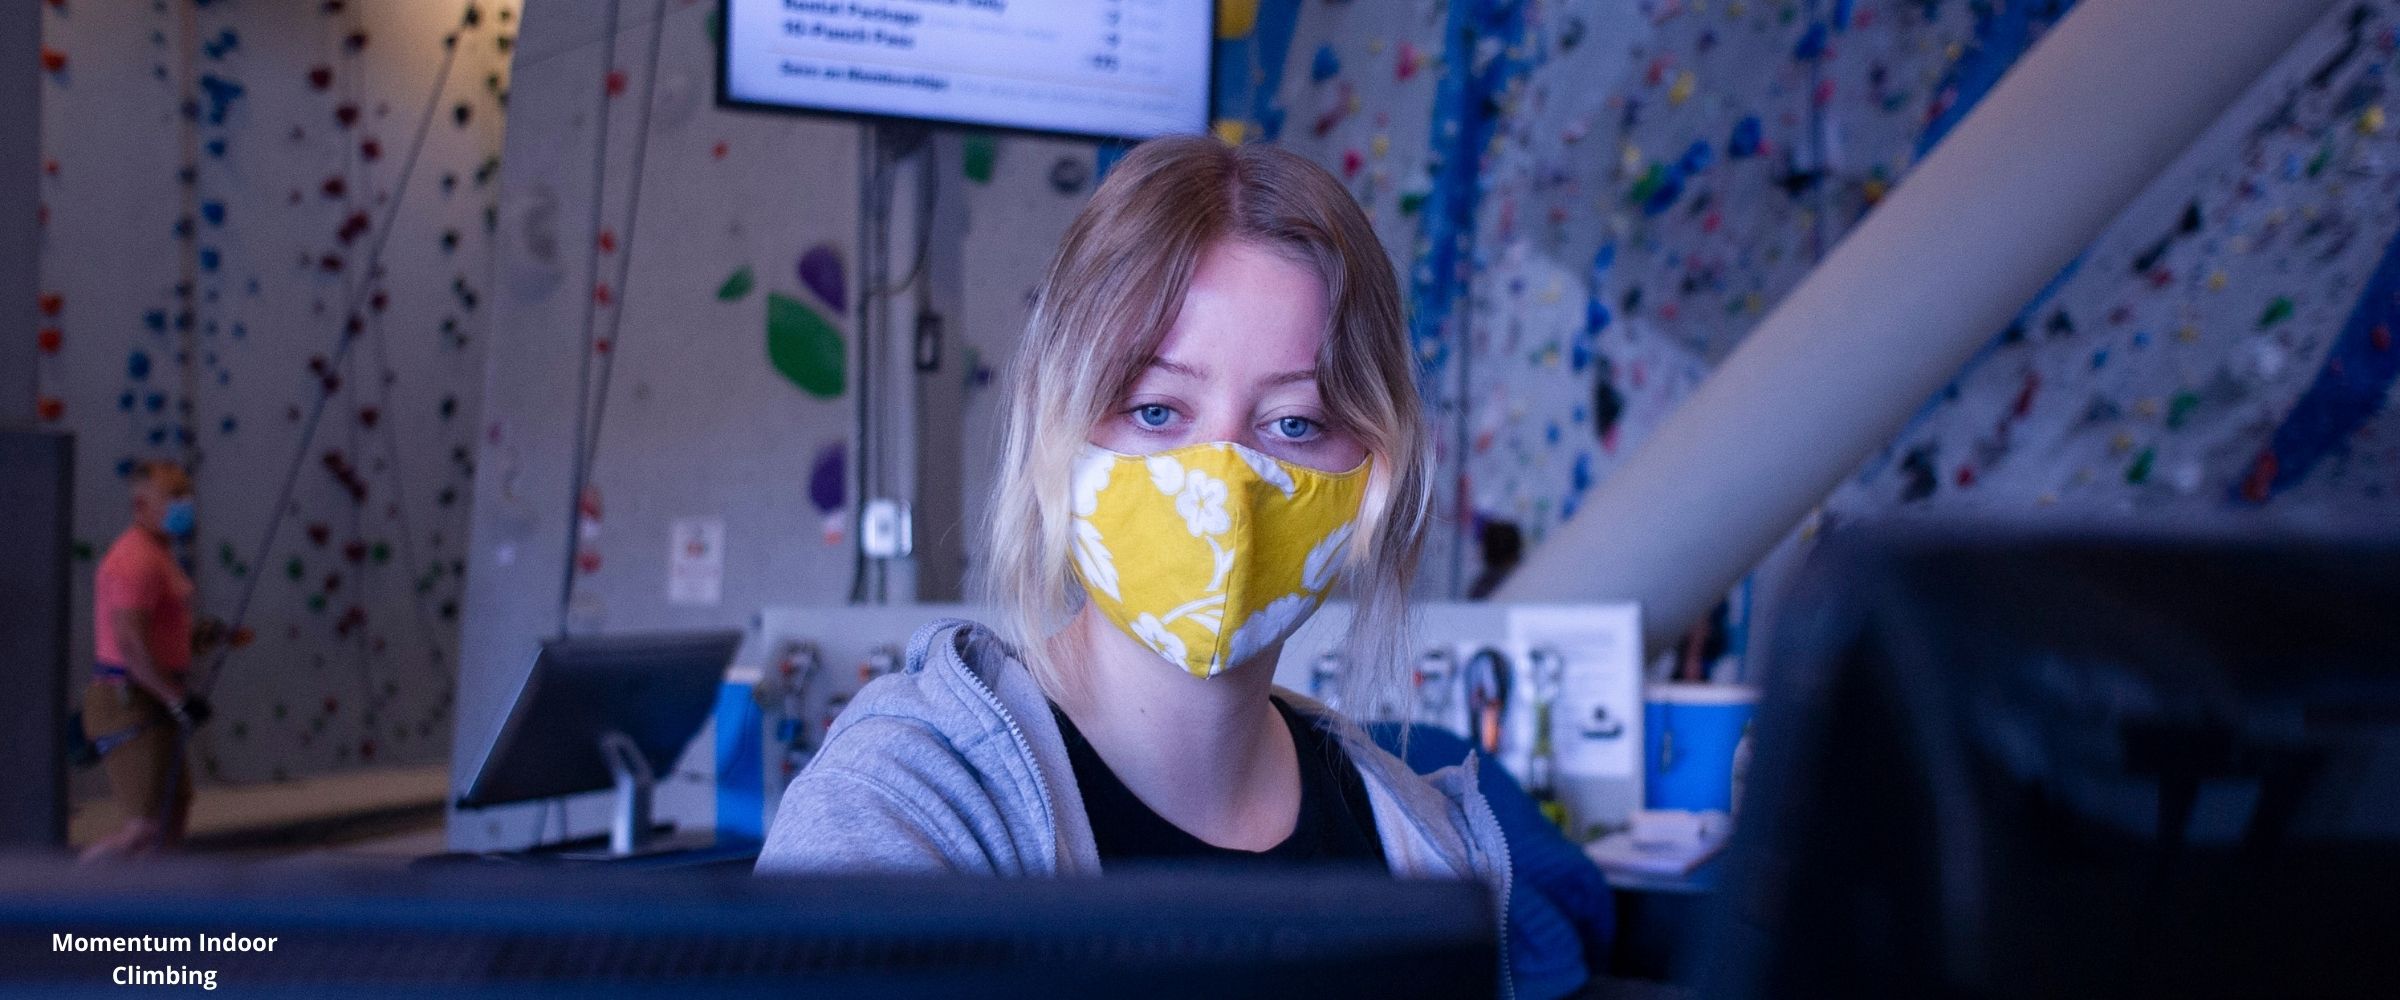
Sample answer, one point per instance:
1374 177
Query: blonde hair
1111 293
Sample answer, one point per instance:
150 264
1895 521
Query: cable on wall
591 281
633 220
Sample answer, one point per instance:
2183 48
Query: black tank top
1335 825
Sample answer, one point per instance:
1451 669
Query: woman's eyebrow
1197 373
1179 368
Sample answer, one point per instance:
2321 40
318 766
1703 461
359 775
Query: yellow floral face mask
1209 553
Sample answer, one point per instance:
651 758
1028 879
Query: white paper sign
1597 722
696 561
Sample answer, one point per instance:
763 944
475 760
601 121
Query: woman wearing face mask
1214 423
142 647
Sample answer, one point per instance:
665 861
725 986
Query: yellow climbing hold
1231 131
1682 90
2370 121
1236 19
2216 281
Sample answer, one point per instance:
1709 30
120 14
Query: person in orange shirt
140 700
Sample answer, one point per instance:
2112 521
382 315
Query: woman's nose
1222 426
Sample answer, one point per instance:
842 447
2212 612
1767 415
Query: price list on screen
1103 67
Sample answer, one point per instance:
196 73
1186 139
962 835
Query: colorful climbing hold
820 271
2276 312
736 285
804 347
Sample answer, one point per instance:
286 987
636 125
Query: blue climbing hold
1325 66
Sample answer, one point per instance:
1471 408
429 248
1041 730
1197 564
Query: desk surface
1695 882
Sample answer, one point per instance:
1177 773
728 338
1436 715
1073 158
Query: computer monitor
600 932
1111 69
2114 763
603 712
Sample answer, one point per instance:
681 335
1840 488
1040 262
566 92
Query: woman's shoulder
919 770
936 701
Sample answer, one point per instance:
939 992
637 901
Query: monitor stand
630 833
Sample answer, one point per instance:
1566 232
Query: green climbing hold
381 553
979 153
2139 472
2180 409
2277 311
1647 186
804 347
736 285
1412 202
295 569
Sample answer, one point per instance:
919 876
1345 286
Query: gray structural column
2066 140
20 200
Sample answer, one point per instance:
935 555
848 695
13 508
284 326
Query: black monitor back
592 933
2103 765
656 688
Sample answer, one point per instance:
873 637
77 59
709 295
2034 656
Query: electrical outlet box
884 531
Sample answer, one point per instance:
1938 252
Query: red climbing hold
2259 486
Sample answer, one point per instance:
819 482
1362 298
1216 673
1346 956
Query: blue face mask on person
178 520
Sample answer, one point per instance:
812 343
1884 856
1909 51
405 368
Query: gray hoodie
955 765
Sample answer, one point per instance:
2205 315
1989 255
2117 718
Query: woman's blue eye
1153 416
1295 428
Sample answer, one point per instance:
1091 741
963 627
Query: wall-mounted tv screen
1127 69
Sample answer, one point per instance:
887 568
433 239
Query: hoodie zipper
1506 869
1041 788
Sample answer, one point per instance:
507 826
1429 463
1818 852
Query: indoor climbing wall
266 236
689 273
1598 200
2223 346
